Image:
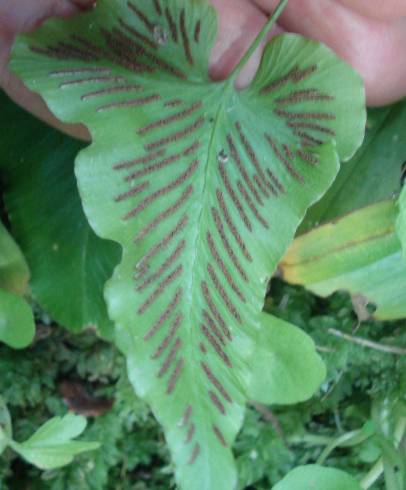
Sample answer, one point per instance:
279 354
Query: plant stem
348 439
4 440
373 475
378 468
258 40
389 349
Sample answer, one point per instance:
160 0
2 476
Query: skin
368 34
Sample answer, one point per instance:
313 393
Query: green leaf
17 326
360 253
5 426
314 477
202 185
69 263
373 174
401 221
393 465
348 439
14 273
51 446
286 368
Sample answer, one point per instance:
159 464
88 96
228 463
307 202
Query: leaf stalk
378 468
258 40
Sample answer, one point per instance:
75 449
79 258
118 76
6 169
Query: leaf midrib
223 95
386 232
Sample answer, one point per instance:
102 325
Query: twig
389 349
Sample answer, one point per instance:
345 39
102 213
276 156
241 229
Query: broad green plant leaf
202 185
17 326
401 221
69 263
51 446
286 368
313 477
360 253
14 272
373 174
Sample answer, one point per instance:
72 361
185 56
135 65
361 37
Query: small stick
389 349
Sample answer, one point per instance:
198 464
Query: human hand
369 34
18 16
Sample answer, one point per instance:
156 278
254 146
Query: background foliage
133 454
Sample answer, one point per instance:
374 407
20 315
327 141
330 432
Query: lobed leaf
47 219
360 253
51 446
202 185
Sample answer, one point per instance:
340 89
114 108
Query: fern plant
52 445
203 186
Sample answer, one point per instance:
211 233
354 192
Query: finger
26 17
239 23
29 14
388 10
33 103
374 48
